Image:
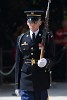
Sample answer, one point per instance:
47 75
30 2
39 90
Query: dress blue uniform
32 80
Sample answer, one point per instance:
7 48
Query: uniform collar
36 32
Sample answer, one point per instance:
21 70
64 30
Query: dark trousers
37 95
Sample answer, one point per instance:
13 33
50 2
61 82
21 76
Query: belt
30 61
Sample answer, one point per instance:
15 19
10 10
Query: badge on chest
24 46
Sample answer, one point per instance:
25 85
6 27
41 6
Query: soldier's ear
27 23
40 22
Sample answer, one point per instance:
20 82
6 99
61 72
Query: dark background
12 18
13 21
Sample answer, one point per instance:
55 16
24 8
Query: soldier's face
34 26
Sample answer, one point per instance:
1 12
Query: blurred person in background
61 45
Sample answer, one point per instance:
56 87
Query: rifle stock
42 52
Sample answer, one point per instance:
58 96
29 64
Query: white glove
42 62
17 92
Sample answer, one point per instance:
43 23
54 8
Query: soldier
32 73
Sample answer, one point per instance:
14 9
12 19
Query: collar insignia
39 34
27 35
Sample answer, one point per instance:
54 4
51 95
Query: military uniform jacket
31 77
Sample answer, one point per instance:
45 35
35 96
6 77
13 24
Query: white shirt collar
36 32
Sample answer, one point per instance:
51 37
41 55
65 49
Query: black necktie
33 36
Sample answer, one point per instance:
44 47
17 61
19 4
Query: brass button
31 53
45 71
32 48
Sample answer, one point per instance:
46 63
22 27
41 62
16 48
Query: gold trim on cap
33 15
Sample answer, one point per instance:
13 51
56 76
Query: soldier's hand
42 62
17 92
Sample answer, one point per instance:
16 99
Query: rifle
46 30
